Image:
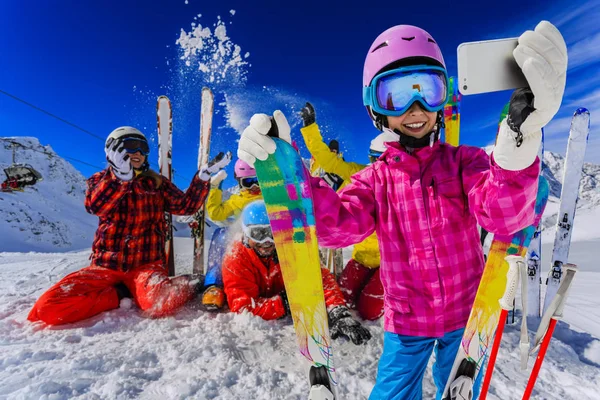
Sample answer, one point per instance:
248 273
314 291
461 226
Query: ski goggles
393 92
133 145
259 233
248 183
374 155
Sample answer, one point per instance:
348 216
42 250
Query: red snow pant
362 289
90 291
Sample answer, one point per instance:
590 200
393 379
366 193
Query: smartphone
488 66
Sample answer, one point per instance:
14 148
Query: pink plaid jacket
425 208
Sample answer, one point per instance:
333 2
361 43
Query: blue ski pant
404 360
216 252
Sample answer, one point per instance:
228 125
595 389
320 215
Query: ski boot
213 298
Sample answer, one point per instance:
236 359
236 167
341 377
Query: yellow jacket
219 210
325 158
367 251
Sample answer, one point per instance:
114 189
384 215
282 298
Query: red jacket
253 283
132 226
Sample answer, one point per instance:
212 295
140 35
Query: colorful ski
285 185
164 115
486 310
206 115
578 136
452 114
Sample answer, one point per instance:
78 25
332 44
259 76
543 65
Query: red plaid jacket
132 226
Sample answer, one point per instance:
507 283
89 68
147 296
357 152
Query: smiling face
415 122
262 249
137 160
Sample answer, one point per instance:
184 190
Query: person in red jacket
253 280
128 253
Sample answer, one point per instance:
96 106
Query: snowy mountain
50 215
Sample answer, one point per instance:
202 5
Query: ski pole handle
512 281
570 270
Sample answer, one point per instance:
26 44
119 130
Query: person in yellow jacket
360 282
218 210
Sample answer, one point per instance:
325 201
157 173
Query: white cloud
585 51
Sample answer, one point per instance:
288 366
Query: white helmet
377 144
126 131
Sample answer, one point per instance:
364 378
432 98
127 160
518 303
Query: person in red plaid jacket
128 253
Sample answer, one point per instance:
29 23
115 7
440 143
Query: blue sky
102 64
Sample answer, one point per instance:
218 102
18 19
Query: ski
534 261
452 114
164 116
515 264
578 136
285 185
486 310
206 116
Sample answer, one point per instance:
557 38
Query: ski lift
19 175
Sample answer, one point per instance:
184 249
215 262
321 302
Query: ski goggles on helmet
259 233
393 92
133 145
247 183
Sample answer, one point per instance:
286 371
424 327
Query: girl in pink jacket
425 198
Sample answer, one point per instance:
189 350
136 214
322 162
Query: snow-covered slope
49 216
199 355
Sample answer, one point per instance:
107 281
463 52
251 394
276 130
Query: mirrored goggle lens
249 182
132 145
260 234
396 91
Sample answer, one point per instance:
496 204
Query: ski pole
556 311
506 302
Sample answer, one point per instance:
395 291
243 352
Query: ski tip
163 99
581 110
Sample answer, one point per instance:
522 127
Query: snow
214 54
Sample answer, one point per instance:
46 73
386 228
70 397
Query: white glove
216 180
215 165
118 159
510 157
542 56
255 144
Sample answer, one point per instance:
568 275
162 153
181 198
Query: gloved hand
118 159
214 165
218 178
542 56
286 303
341 323
308 114
255 144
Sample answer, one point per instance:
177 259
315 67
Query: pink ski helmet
398 43
243 170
